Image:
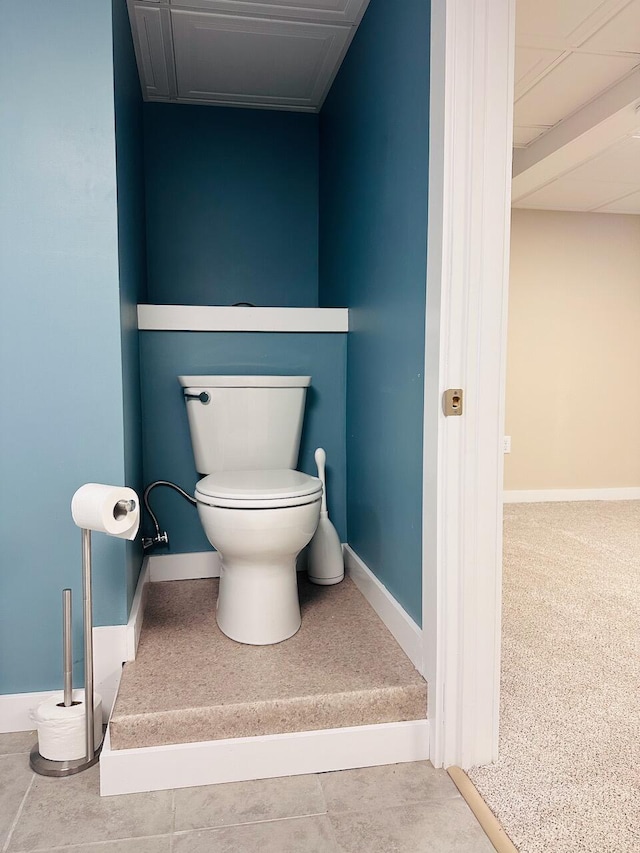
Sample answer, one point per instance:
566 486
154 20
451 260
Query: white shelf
214 318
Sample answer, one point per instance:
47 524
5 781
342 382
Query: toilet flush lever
202 396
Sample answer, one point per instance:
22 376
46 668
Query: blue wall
60 344
373 228
132 259
232 205
167 444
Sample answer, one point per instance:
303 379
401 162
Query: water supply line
160 538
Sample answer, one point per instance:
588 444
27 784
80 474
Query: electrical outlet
507 443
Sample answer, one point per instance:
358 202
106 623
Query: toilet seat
270 489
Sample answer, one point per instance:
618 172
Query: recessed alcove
290 242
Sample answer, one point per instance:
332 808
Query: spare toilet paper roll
96 507
61 731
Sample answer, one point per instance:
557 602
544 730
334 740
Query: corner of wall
132 262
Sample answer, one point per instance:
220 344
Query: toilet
257 511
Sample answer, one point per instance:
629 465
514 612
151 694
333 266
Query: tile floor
403 808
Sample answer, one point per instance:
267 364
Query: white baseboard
406 632
136 617
112 646
520 496
128 771
184 567
109 653
15 710
198 564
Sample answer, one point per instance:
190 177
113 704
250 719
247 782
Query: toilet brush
326 564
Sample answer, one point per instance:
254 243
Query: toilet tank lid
218 381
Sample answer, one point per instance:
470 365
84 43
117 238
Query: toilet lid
251 486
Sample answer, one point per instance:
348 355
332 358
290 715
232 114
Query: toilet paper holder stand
46 766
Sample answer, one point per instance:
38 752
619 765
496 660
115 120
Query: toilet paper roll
95 507
61 731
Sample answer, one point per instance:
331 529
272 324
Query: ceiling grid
572 59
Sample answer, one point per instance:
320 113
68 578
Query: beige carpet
568 777
190 683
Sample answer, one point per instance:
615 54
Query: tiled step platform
190 683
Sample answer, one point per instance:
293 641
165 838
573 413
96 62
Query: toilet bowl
259 521
256 510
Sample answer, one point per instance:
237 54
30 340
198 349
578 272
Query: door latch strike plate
452 401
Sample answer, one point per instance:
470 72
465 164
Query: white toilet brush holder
325 560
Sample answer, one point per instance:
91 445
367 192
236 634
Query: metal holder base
47 767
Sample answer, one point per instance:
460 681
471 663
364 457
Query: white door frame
471 115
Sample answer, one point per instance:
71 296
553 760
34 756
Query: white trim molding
136 616
128 771
471 108
527 496
16 708
214 318
184 567
195 565
407 634
109 654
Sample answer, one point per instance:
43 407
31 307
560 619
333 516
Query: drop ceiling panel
221 58
568 86
569 194
553 18
577 63
531 62
333 11
628 204
620 163
620 33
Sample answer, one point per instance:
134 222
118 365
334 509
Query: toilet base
258 604
258 597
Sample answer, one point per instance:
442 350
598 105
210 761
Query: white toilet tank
242 423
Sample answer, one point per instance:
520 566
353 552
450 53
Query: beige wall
573 363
